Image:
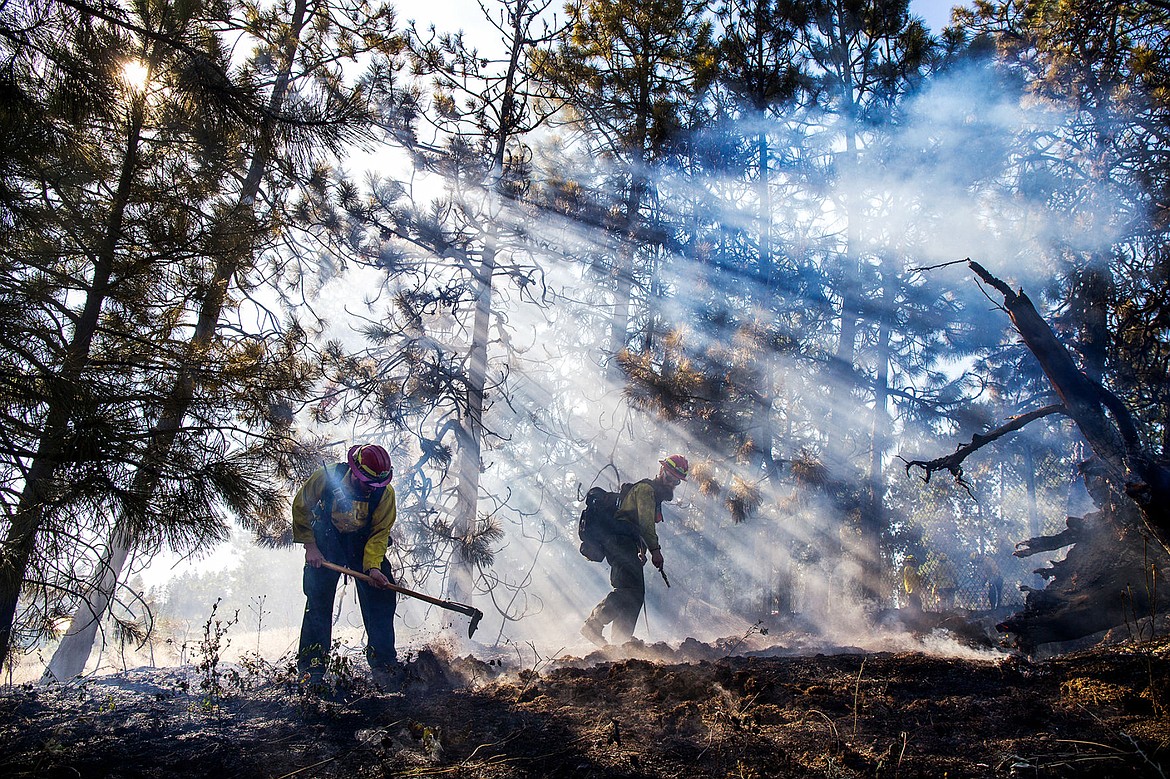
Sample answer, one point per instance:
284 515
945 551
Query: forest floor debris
695 710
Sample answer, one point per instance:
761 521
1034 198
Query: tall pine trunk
873 519
21 540
471 428
764 196
623 275
845 354
73 652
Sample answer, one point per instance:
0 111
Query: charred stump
1110 576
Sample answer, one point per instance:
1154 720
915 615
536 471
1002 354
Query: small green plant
340 675
208 654
256 669
256 606
340 668
744 771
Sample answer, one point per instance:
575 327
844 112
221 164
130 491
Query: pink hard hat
370 464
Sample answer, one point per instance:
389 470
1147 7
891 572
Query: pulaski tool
475 614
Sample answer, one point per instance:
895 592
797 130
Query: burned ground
690 711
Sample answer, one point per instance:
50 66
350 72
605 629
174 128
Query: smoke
950 182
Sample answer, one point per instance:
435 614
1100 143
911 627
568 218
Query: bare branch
954 462
1085 399
924 268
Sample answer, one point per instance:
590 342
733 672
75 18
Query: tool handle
347 571
461 608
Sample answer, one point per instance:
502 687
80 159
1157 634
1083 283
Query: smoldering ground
694 711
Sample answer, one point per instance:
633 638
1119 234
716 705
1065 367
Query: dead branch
925 268
1102 418
1067 537
954 462
1084 399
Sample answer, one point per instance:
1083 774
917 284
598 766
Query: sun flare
135 73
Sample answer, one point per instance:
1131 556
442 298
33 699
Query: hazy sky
465 14
937 13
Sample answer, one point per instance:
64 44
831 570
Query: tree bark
873 518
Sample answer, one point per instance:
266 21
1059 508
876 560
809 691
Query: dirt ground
728 709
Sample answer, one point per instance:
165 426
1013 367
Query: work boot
592 631
311 683
389 678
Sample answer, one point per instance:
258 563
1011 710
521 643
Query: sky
936 13
452 15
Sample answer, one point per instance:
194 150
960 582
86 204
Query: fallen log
1067 537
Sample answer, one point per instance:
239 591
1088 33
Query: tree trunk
764 196
623 279
73 652
1102 419
1030 486
1109 577
21 540
873 515
845 356
76 645
471 428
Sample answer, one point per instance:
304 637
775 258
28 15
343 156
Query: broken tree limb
1102 583
1084 399
1067 537
954 462
1103 419
1115 555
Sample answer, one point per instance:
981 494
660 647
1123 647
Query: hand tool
475 614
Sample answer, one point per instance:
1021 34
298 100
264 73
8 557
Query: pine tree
209 411
437 377
233 245
623 72
864 58
96 243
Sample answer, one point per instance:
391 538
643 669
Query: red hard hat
370 464
677 465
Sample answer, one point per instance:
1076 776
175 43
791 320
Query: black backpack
599 521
